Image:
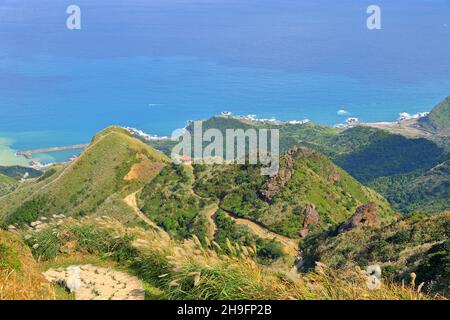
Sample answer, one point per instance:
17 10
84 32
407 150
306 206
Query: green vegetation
191 270
412 244
7 184
418 192
18 172
309 192
373 156
51 171
314 180
84 185
50 242
28 212
20 277
8 258
383 154
438 121
169 201
267 251
434 269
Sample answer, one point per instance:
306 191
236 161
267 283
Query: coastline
9 156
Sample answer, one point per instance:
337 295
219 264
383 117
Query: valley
342 200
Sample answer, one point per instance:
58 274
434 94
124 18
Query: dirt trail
131 201
210 211
212 224
290 245
97 283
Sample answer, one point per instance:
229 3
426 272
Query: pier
28 154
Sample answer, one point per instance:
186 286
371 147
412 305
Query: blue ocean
155 64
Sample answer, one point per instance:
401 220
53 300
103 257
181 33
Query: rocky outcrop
276 183
365 215
335 177
311 216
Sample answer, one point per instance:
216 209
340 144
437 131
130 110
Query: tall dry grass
192 270
22 279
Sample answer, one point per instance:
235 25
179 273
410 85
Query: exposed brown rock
335 177
366 215
303 233
311 215
284 175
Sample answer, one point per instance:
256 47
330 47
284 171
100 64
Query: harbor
28 154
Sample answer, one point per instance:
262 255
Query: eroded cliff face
276 183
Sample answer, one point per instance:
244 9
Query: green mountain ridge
417 244
96 178
307 202
371 155
307 179
438 121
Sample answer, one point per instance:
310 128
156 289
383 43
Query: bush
27 212
47 243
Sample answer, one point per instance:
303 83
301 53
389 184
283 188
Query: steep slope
364 152
190 270
7 184
20 277
309 193
371 155
427 191
18 172
114 163
417 244
438 121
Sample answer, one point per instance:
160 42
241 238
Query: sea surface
156 64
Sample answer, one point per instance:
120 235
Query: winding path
290 245
131 201
212 223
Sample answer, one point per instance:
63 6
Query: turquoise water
154 65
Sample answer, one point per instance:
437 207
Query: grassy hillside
7 184
306 179
371 155
191 270
417 244
427 191
20 277
18 172
113 163
438 121
168 200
